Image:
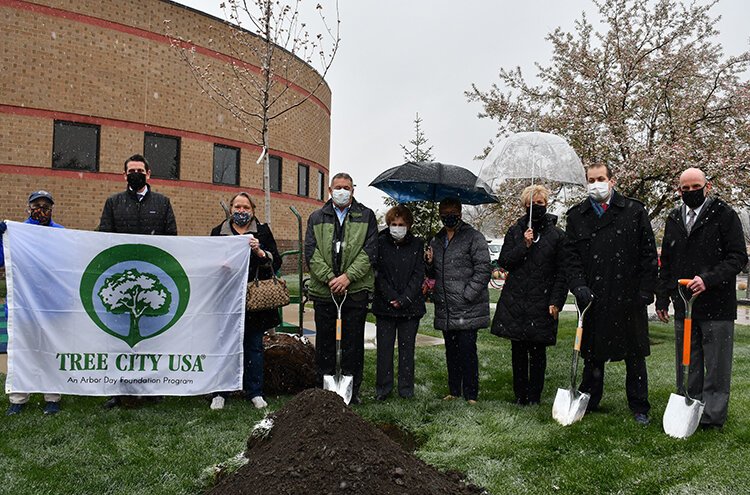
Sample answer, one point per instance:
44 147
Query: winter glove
662 303
3 227
645 297
583 295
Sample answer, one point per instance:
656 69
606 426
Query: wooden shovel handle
338 329
577 342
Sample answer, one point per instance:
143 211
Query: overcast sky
400 57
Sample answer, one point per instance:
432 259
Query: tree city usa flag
93 313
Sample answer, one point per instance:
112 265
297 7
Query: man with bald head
703 242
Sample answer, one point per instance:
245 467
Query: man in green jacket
340 249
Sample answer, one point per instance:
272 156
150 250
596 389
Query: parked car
494 245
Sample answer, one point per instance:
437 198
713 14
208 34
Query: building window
274 162
163 155
226 165
303 179
75 146
321 185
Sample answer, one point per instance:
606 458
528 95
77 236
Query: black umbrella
433 181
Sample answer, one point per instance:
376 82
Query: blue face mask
241 218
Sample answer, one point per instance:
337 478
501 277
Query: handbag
266 294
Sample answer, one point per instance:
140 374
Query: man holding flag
137 210
40 213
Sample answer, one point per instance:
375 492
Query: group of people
606 257
349 261
139 210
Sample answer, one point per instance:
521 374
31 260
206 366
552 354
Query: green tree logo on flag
137 294
134 291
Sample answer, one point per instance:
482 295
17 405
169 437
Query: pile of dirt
288 364
316 444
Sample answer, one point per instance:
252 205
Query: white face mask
398 233
599 191
341 197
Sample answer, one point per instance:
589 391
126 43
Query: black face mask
537 212
693 199
136 181
450 221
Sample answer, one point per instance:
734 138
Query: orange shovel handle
688 325
686 341
338 329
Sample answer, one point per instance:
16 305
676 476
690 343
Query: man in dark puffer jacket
459 261
137 210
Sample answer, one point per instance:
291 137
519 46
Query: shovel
341 384
570 404
683 414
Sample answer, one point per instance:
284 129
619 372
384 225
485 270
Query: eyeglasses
40 208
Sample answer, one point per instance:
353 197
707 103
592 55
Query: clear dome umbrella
532 155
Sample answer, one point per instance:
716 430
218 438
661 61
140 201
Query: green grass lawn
166 448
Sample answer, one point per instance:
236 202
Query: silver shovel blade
569 406
342 385
682 416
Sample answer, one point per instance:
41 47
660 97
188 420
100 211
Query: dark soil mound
318 445
289 364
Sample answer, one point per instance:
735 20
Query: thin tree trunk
267 177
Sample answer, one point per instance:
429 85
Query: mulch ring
316 444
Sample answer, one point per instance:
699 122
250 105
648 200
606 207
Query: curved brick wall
111 64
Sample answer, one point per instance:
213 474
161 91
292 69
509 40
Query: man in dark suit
703 241
612 263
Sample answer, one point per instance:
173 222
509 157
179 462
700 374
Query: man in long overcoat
612 264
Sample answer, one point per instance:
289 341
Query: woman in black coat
264 261
398 302
533 294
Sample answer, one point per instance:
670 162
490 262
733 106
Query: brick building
87 83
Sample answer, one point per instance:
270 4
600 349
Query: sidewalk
291 315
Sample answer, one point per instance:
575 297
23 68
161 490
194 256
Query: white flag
94 313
